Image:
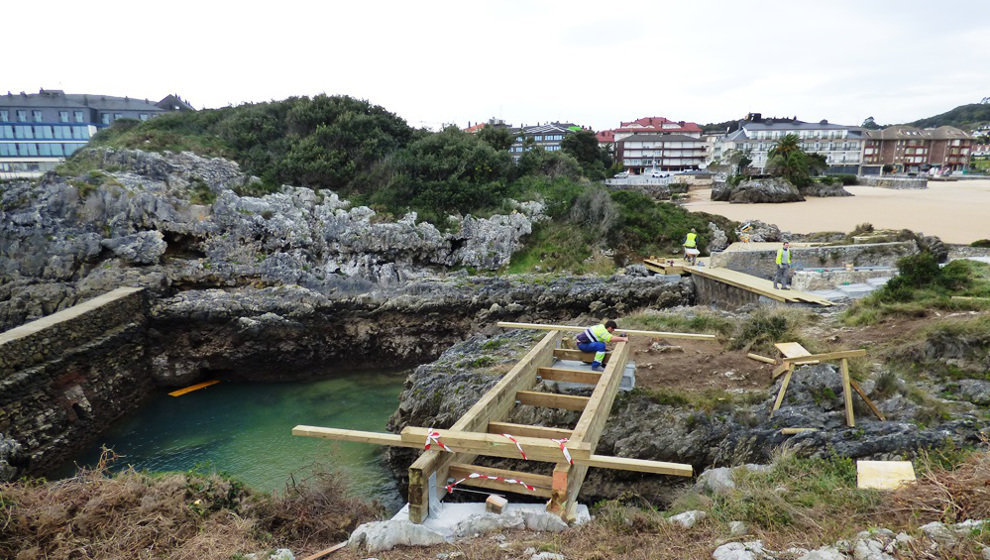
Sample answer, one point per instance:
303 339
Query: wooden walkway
756 285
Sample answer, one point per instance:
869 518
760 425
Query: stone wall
713 292
894 182
762 263
65 377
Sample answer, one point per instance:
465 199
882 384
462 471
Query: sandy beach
955 211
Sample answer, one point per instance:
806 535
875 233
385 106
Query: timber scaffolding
449 454
740 280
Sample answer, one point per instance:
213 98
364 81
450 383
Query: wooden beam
638 465
339 434
869 403
827 357
542 483
570 375
780 395
497 445
760 358
792 431
781 369
552 400
661 334
577 355
527 430
493 405
847 393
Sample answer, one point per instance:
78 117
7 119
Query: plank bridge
449 454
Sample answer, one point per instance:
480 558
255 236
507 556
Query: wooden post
780 395
847 392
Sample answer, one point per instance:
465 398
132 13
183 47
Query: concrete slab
878 282
856 291
628 382
450 514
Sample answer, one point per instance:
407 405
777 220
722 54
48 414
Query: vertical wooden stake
847 393
783 387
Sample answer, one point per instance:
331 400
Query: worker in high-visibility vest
691 251
782 276
594 339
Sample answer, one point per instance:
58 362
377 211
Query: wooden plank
542 483
760 358
527 430
578 356
660 334
192 388
497 445
780 395
326 551
638 465
847 393
883 475
792 349
756 285
340 434
570 375
827 357
867 400
552 400
792 431
493 405
781 369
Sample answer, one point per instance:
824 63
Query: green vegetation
786 159
370 156
921 287
760 330
703 322
963 116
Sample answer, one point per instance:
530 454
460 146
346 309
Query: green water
243 429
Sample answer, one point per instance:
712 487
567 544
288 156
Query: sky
526 62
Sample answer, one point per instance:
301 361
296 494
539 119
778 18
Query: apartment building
656 143
547 136
39 130
909 149
841 145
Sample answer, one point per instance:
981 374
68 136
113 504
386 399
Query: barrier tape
567 454
432 437
450 487
513 440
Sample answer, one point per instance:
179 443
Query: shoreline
958 212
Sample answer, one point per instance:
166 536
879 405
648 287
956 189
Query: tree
497 137
786 159
870 124
583 145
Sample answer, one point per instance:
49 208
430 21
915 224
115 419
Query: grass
760 330
702 322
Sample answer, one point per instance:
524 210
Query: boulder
386 535
767 189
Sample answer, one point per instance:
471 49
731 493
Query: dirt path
956 211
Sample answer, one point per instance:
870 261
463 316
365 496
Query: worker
782 275
594 339
691 251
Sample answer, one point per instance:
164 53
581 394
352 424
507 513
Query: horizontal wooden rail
638 465
661 334
824 357
569 375
552 400
340 434
578 356
542 483
527 430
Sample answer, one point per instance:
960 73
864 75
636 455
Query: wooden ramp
449 454
658 265
756 285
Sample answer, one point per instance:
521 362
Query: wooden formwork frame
482 430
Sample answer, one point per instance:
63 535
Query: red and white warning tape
450 487
513 440
567 454
432 437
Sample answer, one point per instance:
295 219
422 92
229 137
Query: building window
106 118
143 116
22 116
63 116
117 116
36 115
4 116
44 150
79 116
57 150
23 132
80 133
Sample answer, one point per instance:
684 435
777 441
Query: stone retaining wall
762 263
64 377
894 182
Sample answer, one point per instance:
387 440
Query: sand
955 211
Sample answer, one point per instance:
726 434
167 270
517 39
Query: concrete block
495 504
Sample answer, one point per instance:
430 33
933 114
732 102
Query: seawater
244 430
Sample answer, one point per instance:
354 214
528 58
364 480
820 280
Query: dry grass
181 516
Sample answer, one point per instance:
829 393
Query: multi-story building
39 130
547 136
656 143
909 149
841 145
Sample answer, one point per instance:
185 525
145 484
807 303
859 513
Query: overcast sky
591 63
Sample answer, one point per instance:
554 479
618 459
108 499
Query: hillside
966 117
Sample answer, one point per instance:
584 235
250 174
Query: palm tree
786 159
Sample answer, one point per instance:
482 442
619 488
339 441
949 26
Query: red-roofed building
656 143
657 125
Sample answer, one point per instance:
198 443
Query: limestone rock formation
768 189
